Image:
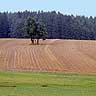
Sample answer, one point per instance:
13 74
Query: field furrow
48 56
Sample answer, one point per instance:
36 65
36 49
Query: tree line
58 25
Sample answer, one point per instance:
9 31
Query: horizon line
70 14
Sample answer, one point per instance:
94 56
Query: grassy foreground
46 84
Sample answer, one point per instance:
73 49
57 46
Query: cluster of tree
35 30
4 26
58 25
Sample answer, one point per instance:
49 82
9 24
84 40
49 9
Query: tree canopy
35 30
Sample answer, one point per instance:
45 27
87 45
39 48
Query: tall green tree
35 30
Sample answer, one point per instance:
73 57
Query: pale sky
75 7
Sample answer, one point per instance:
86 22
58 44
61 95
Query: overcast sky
75 7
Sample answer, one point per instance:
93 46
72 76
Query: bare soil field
50 56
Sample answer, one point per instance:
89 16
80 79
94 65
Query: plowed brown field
49 56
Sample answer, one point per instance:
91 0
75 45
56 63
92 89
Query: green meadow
46 84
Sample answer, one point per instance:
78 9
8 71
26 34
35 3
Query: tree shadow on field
44 44
59 42
41 44
47 43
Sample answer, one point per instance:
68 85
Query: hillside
50 56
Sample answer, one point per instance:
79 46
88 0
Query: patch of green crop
46 84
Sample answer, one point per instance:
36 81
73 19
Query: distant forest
58 25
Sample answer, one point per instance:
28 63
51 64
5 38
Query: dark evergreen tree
4 26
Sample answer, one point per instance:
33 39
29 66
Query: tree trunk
32 41
37 41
